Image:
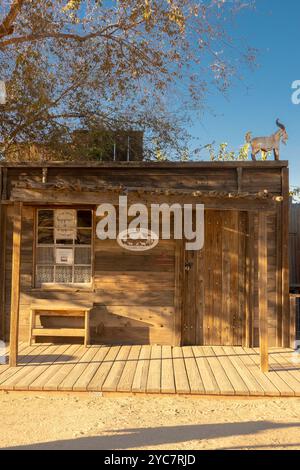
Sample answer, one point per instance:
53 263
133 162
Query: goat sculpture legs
255 152
253 155
276 153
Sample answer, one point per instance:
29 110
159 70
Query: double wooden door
214 296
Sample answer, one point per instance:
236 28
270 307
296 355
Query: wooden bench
58 309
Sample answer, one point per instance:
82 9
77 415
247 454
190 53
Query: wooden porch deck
197 370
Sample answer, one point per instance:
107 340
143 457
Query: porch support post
263 290
286 324
249 284
15 285
2 271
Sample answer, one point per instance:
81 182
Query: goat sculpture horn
281 126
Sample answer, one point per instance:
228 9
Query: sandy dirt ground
90 421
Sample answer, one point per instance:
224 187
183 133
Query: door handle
188 266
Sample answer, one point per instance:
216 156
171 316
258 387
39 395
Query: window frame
63 285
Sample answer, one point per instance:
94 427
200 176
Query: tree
138 64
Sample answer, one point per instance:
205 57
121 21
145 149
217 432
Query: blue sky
265 94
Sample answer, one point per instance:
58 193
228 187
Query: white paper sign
65 224
64 256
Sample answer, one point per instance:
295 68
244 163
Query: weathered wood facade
235 292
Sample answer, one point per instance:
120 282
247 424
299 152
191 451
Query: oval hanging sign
137 239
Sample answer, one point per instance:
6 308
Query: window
63 246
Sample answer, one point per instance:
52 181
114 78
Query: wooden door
224 278
214 294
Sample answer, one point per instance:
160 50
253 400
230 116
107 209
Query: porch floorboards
196 370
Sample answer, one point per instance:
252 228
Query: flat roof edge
202 164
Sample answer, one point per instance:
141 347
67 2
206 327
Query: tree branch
7 26
107 33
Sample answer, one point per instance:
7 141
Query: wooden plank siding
263 290
273 255
294 257
201 177
294 243
135 292
138 296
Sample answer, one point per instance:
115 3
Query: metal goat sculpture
267 144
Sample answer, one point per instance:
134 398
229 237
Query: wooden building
235 291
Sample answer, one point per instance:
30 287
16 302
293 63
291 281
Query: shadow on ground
167 435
